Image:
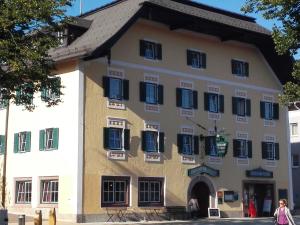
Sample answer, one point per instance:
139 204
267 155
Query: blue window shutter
196 145
28 141
248 107
158 52
144 136
127 139
42 140
206 102
195 99
160 94
142 91
203 60
235 148
233 66
207 145
188 57
106 138
161 142
178 97
221 103
142 48
179 143
16 142
246 69
125 89
275 111
263 149
234 105
277 151
249 144
262 110
106 86
55 138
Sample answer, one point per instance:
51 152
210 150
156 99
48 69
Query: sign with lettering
203 170
222 145
259 172
116 155
152 157
214 213
189 159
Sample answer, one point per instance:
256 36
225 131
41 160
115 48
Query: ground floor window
150 191
23 192
115 191
49 191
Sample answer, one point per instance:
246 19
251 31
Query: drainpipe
5 158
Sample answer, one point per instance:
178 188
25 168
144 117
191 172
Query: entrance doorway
201 192
262 197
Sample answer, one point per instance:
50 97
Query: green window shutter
161 142
44 94
125 89
18 95
221 103
234 105
203 60
160 94
236 144
178 97
248 107
16 142
106 86
55 138
188 57
2 141
42 140
179 143
277 151
249 144
28 141
206 102
106 137
262 110
196 144
195 99
127 139
275 111
142 91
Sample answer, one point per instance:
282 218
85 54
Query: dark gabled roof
111 21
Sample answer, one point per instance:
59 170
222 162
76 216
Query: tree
286 36
27 31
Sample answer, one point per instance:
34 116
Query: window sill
295 167
48 205
22 205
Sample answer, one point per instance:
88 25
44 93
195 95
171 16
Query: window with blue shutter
115 88
116 138
150 50
240 68
241 106
2 144
211 146
269 110
213 102
242 148
270 150
187 144
196 59
151 93
153 141
186 98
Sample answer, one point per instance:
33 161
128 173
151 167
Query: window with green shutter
22 142
2 144
49 139
48 94
3 102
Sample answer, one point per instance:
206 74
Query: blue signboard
203 170
259 172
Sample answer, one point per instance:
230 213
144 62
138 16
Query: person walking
283 215
194 207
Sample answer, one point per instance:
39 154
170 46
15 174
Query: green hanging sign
222 145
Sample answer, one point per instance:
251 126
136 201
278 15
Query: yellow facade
171 70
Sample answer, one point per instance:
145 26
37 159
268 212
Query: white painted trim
290 176
191 76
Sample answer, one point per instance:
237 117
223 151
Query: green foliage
286 36
27 29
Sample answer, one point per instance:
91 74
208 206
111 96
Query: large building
294 116
163 101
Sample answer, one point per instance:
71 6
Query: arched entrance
203 190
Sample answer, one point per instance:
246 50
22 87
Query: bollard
37 220
21 220
52 217
3 217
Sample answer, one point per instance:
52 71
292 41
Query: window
23 193
151 93
196 59
49 191
2 144
240 68
241 106
150 191
150 50
115 88
113 138
214 103
242 148
211 146
51 94
24 94
115 191
269 110
186 98
61 38
49 139
294 129
152 141
270 150
295 160
3 102
187 144
22 142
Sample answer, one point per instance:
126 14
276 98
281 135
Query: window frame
269 114
239 68
22 142
293 161
119 96
153 100
114 179
244 150
187 97
24 194
270 152
120 132
155 140
191 144
49 192
294 127
151 201
215 103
